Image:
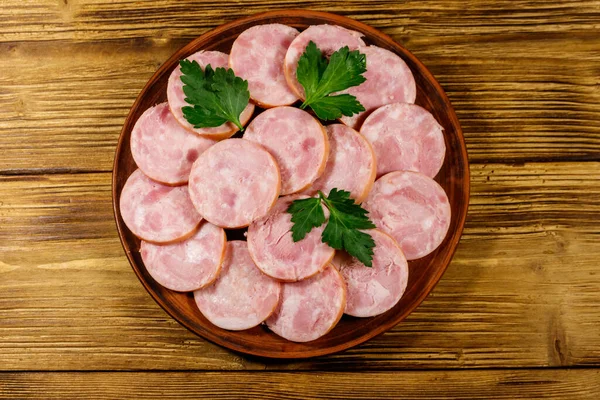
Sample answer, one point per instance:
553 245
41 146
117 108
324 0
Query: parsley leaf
215 96
355 217
345 70
361 245
306 214
345 220
320 78
313 65
333 107
343 230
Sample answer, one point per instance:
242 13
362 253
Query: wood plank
495 384
521 291
96 20
66 113
522 77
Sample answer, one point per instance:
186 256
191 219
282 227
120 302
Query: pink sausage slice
351 164
412 208
328 38
155 212
310 308
389 80
242 296
257 55
296 140
162 148
176 96
188 265
405 137
234 183
275 253
373 291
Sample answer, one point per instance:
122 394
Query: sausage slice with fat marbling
374 290
389 80
351 165
187 265
277 255
296 140
234 183
155 212
257 55
310 308
242 296
405 137
412 208
162 148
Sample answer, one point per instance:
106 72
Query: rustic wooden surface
516 315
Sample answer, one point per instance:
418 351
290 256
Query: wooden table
516 315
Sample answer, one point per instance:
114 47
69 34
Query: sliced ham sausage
242 296
155 212
389 80
405 137
275 253
412 208
373 291
310 308
162 148
351 165
234 182
188 265
296 140
257 55
176 96
328 38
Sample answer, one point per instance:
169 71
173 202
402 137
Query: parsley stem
327 204
333 212
322 196
306 102
238 124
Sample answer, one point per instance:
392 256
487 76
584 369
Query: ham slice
373 291
234 183
176 96
310 308
389 80
242 296
257 55
187 265
296 140
275 253
155 212
351 165
412 208
163 149
328 38
405 137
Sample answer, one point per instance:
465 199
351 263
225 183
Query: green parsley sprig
320 78
215 96
346 218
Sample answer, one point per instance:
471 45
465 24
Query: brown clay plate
424 273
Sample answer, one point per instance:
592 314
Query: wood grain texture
46 20
548 384
522 290
522 75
